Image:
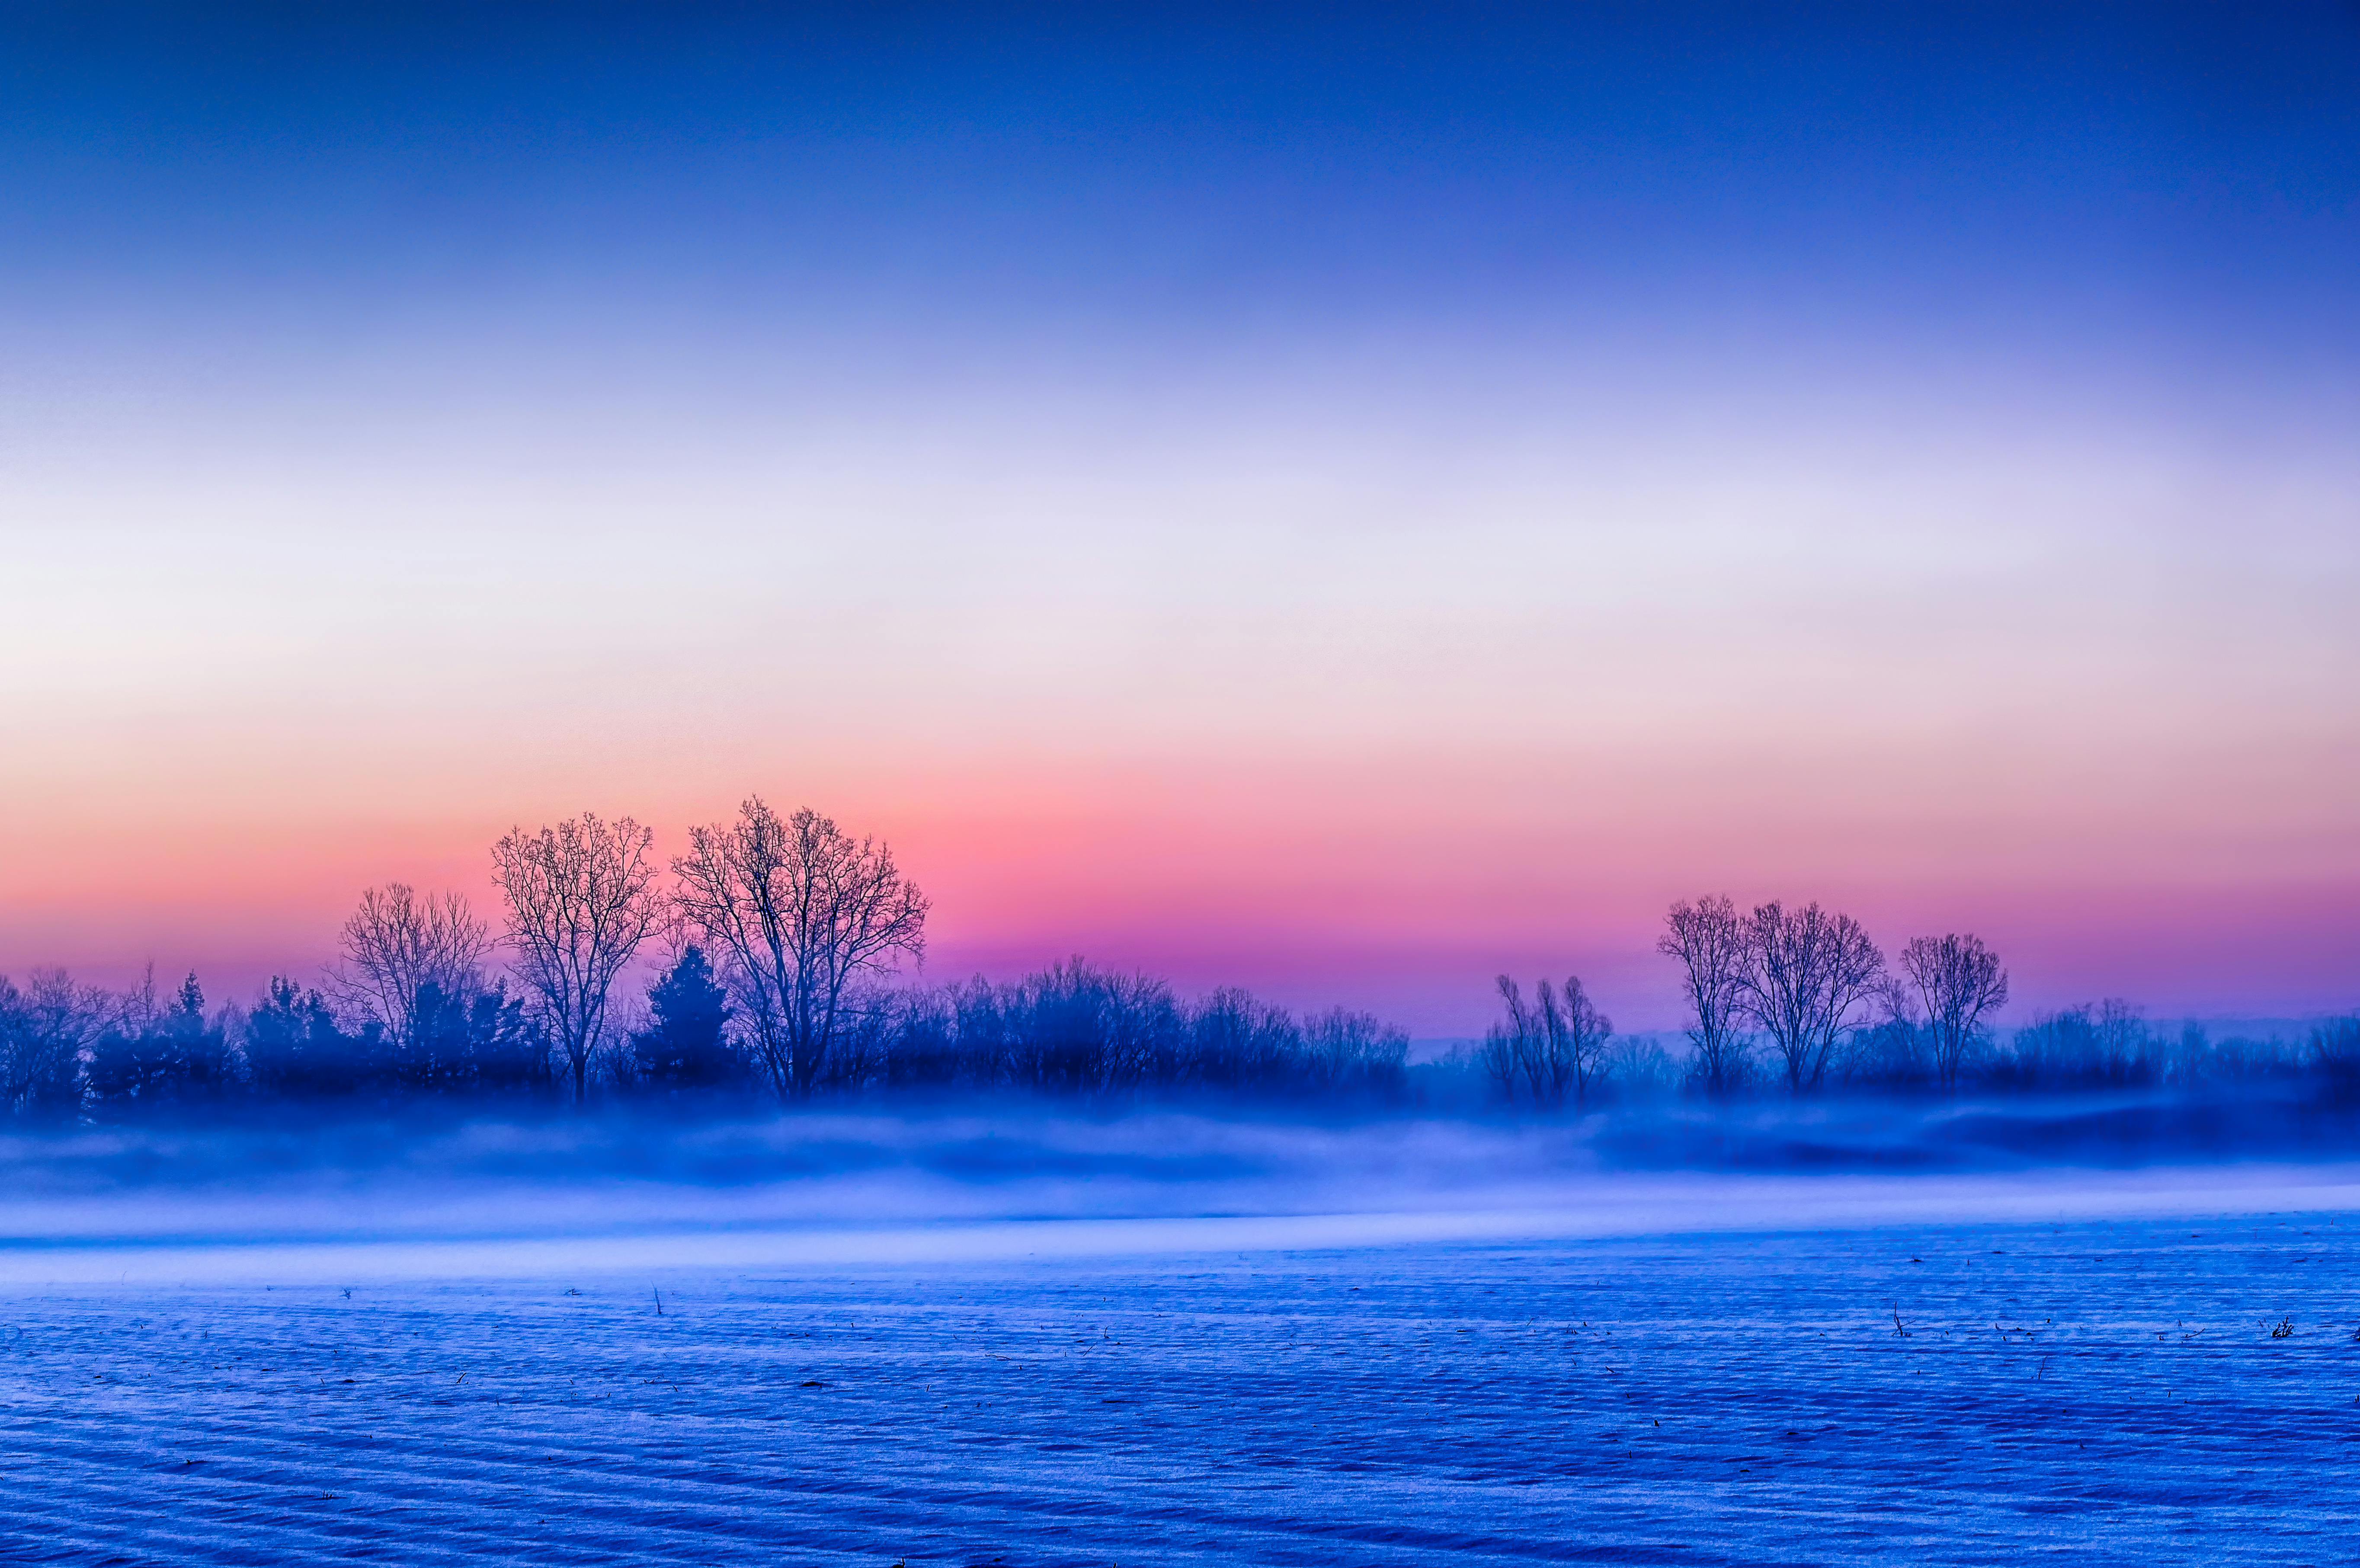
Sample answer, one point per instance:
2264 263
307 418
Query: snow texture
2135 1367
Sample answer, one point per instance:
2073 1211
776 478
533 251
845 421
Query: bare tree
396 945
1709 939
1548 1068
581 903
2335 1054
1959 981
1352 1051
44 1031
1516 1049
803 912
1810 976
2124 1041
1888 1050
1577 1034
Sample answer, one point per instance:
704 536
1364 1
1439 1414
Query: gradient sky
1342 500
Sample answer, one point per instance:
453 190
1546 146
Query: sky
1341 500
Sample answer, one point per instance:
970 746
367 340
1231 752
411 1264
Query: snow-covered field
1996 1369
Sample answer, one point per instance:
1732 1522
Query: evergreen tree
196 1052
686 1045
460 1044
294 1046
148 1055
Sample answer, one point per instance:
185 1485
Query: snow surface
2064 1368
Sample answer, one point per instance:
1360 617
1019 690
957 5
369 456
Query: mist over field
470 1193
1023 1335
1216 1287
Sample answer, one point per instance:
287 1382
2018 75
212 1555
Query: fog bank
507 1197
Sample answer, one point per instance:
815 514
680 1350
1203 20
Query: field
2104 1368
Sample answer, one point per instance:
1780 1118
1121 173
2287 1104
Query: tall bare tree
1810 976
1576 1033
803 913
397 944
1959 981
1709 939
581 904
1508 1046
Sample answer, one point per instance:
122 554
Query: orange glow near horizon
1323 886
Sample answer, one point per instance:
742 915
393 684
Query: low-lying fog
505 1197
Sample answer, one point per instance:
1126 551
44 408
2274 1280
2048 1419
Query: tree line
1804 1000
778 941
776 944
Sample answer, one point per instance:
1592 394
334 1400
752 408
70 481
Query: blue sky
1462 478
